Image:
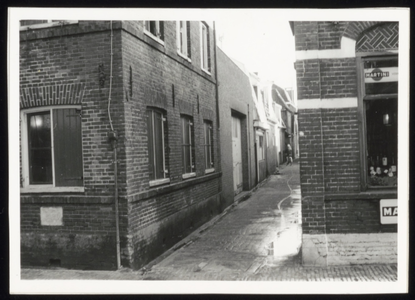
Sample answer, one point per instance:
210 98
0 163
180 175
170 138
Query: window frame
191 145
208 147
165 179
205 59
362 100
158 35
27 187
183 45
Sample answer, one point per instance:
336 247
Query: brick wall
330 141
159 77
70 64
61 66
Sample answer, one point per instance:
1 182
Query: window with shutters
208 146
183 39
205 47
188 146
155 29
52 149
157 145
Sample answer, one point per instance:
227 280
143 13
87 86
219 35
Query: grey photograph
260 149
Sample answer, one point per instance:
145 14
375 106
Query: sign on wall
389 74
389 211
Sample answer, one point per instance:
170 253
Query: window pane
156 153
382 139
40 153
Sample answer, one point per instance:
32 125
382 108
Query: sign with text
389 211
389 74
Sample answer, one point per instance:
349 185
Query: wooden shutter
161 29
67 140
150 144
208 49
158 143
189 47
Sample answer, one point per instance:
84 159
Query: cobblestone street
258 239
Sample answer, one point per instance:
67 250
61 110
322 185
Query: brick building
119 139
347 114
237 136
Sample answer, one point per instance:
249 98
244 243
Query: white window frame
41 188
192 167
209 141
182 44
204 59
150 34
160 181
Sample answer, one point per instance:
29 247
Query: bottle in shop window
393 165
378 168
384 160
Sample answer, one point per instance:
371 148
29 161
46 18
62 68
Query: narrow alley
258 239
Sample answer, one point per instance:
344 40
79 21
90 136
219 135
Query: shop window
52 148
183 39
208 129
380 115
188 149
157 144
205 47
155 29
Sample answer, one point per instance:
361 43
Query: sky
264 44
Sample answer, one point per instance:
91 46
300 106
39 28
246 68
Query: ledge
172 187
65 199
367 195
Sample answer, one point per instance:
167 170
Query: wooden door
237 155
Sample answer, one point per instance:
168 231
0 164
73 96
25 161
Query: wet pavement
257 239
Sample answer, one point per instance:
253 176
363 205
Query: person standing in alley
289 155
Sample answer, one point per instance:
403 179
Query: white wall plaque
51 216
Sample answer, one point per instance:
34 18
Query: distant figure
289 155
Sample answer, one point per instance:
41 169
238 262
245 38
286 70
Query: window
205 47
157 142
256 91
155 29
208 145
183 38
379 107
188 149
261 147
52 148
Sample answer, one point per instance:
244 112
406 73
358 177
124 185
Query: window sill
366 195
51 189
206 71
152 36
189 175
208 171
158 182
184 56
47 25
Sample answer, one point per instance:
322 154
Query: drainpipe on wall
113 137
217 93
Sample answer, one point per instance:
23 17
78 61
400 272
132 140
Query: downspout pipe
217 90
113 138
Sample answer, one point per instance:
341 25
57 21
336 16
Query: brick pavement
257 240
